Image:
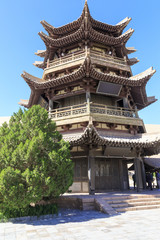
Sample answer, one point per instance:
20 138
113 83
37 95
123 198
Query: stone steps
133 200
132 203
121 209
88 204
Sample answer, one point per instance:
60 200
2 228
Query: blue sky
20 24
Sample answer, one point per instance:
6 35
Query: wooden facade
89 90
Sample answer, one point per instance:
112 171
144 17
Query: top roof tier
85 27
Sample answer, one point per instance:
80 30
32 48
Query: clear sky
19 40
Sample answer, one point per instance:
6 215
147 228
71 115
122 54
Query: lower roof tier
149 144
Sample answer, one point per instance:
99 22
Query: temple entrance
107 174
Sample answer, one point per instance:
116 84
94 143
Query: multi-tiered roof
85 31
78 57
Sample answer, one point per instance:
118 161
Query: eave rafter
66 29
132 61
130 50
118 28
64 41
73 26
88 70
145 141
41 53
93 35
108 40
134 81
39 64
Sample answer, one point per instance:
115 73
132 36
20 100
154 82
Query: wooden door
107 174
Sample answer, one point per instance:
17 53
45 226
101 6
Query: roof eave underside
38 83
91 135
73 26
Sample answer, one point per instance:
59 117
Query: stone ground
82 225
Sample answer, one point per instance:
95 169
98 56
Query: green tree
34 159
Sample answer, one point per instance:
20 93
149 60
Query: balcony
100 113
78 57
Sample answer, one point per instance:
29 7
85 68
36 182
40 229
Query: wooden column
143 175
125 102
88 96
50 107
136 173
121 174
91 172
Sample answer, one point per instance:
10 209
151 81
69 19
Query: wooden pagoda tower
89 90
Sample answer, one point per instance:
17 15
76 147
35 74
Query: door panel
107 174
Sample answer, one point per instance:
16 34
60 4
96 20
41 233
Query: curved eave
39 64
64 41
66 29
151 100
110 28
147 74
153 161
108 40
132 61
130 50
29 102
41 53
134 81
75 76
30 78
146 141
23 103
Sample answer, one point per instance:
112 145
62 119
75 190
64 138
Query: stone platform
112 202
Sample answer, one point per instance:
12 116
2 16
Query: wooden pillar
88 96
125 103
143 175
121 174
50 107
91 172
136 173
136 112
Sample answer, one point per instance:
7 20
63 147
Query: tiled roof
134 81
153 161
91 135
73 26
109 40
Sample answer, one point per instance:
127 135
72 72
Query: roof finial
85 1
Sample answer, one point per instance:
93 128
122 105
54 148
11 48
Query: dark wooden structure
89 90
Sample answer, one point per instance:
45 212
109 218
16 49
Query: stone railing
91 108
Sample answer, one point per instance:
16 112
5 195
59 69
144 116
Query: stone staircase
132 203
111 204
88 204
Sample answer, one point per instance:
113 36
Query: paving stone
87 225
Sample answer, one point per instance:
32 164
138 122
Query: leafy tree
34 159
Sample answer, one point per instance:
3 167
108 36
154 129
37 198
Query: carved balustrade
91 108
82 54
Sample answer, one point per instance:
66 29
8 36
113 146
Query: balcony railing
82 54
91 108
68 58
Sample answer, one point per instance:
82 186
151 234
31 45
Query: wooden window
80 169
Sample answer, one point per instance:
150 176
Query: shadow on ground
67 216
